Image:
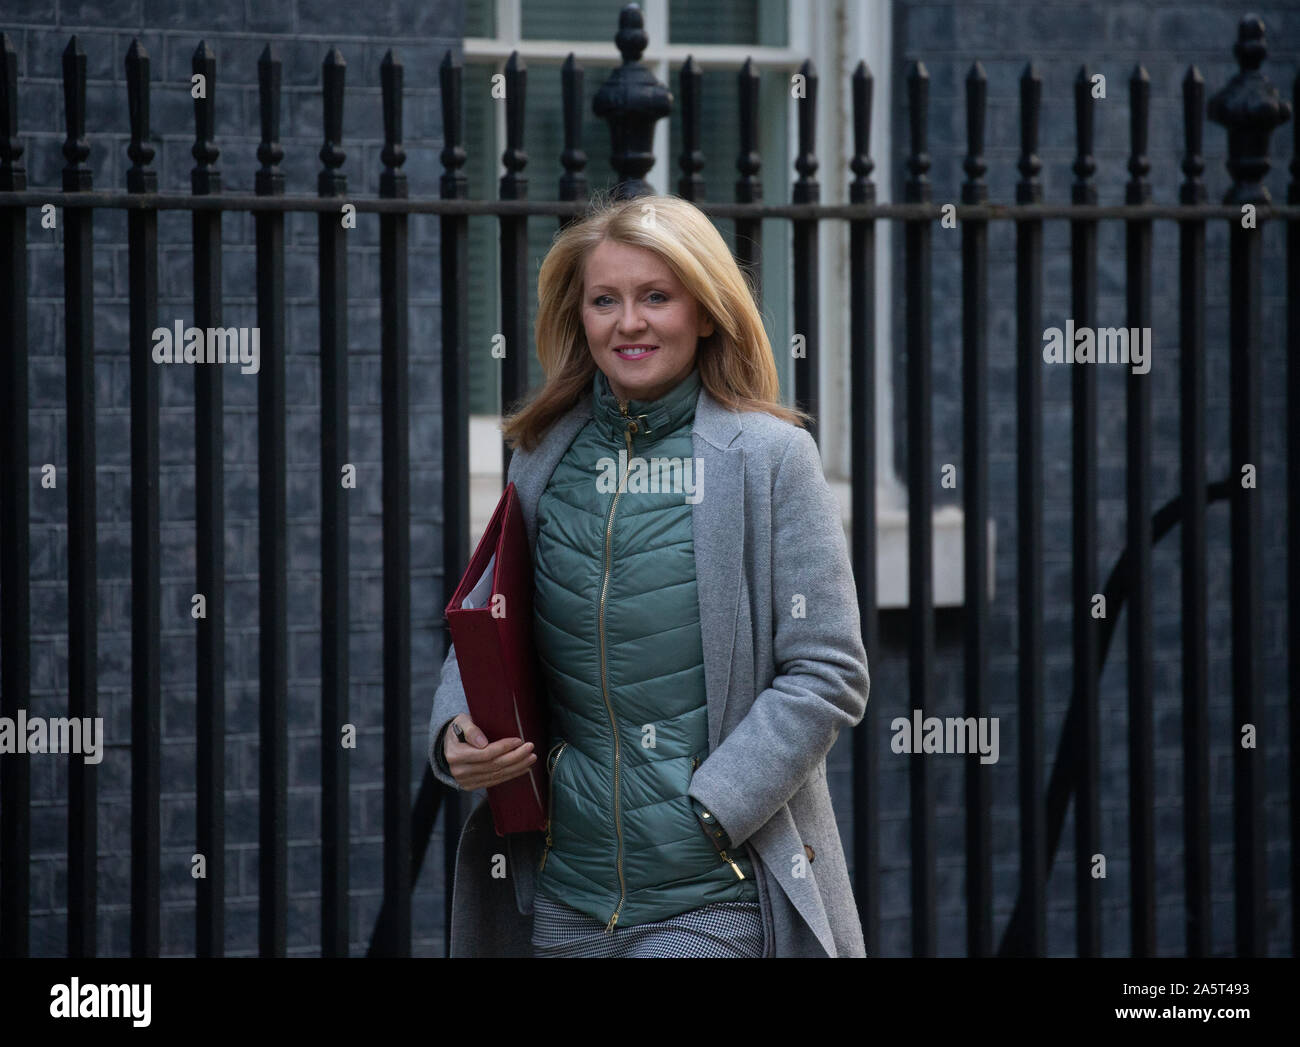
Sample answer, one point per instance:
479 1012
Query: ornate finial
13 176
975 190
270 180
862 190
806 188
514 183
331 181
690 81
139 179
1192 191
573 183
1138 189
1029 190
76 175
392 181
917 187
1251 109
205 178
1084 190
631 38
453 185
631 101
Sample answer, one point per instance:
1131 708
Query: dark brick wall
1110 37
237 30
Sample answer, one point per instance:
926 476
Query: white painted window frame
836 35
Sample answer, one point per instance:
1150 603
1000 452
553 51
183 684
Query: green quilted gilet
617 626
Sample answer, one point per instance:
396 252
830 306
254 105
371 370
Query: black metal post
975 468
332 182
272 529
15 546
210 538
394 382
862 451
83 597
1250 109
1029 516
146 590
920 508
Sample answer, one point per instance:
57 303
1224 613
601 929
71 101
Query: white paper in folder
482 591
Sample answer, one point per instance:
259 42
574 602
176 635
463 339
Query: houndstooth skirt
723 929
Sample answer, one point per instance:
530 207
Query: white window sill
892 552
891 537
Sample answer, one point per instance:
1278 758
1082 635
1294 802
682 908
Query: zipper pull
609 927
726 859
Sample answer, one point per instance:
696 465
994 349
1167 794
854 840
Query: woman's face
631 298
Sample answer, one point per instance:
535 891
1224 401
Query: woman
695 619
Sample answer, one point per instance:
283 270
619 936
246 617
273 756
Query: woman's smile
642 325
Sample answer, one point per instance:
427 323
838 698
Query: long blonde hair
735 362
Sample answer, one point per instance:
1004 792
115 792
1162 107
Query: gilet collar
655 418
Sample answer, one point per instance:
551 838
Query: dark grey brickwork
303 30
1110 37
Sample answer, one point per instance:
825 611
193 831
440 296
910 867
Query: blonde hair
735 362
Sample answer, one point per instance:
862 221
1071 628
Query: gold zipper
734 866
550 797
695 762
629 429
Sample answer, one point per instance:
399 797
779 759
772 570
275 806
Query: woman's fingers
494 763
501 769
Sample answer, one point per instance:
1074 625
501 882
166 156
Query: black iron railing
1249 109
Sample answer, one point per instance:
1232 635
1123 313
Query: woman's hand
475 764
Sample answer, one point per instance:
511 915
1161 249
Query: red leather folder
491 621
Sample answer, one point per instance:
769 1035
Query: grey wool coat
784 667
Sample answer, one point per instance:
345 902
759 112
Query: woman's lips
639 354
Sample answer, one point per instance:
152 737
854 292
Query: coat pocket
714 843
553 759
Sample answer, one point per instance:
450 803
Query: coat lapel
717 523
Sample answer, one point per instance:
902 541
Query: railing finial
76 150
270 179
392 180
975 190
862 190
13 176
630 101
1250 108
139 178
331 181
205 177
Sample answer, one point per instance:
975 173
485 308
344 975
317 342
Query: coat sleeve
449 699
821 681
448 702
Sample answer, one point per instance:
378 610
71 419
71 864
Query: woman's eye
600 299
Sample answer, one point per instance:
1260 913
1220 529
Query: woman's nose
631 321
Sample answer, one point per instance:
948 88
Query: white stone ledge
892 552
